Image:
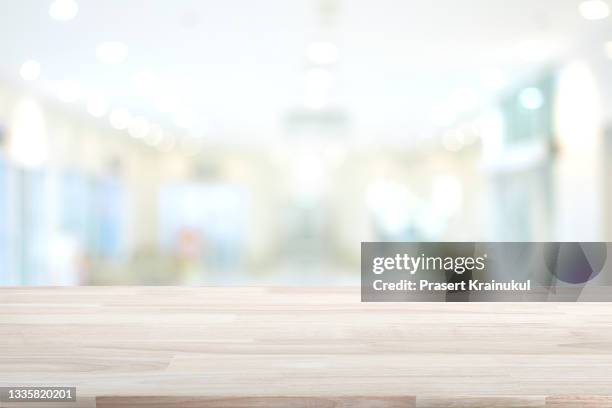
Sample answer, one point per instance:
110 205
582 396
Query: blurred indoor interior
247 142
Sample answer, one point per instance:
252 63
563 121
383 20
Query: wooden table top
266 344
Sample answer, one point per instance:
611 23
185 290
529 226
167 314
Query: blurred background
247 142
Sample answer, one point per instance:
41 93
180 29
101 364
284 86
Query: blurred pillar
578 169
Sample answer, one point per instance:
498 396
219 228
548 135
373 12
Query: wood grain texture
585 401
480 402
315 343
264 402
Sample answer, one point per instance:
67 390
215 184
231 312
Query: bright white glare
309 176
184 119
120 118
452 141
28 137
447 195
63 254
316 99
318 84
608 49
531 98
97 106
493 79
322 53
155 136
594 9
63 10
167 144
469 133
335 154
143 80
112 52
443 117
465 99
533 50
391 204
30 70
69 91
165 101
578 107
491 125
139 127
319 78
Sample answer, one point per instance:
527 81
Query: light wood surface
256 402
321 345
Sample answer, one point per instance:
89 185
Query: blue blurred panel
93 214
35 228
76 207
208 222
109 213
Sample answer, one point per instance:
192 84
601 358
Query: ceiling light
112 52
69 91
139 127
120 118
594 9
30 70
97 106
322 53
531 98
63 10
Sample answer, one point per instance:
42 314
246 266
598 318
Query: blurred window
32 229
76 206
108 213
93 213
